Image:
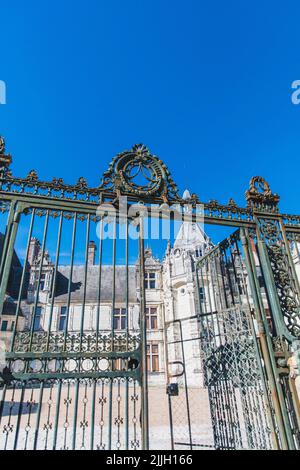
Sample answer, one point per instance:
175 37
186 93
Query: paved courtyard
61 411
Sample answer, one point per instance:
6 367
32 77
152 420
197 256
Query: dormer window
41 285
150 280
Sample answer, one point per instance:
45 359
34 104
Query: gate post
8 248
265 344
282 289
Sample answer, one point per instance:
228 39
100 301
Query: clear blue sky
206 85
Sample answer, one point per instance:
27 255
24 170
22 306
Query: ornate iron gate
240 401
244 364
75 374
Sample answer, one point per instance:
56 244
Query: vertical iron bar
57 413
85 279
38 418
112 333
99 283
14 218
19 417
93 413
22 282
70 280
36 300
81 331
7 236
127 343
75 414
143 327
54 279
2 402
97 329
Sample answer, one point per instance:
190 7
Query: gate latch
172 390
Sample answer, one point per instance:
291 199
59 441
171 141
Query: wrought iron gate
252 399
73 311
240 401
68 375
75 372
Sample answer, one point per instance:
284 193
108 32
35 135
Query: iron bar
53 291
18 309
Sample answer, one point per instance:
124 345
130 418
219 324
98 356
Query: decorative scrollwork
260 197
144 177
283 277
5 160
128 168
74 342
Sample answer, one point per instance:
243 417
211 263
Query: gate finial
5 159
260 197
137 172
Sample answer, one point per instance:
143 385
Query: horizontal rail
135 374
73 355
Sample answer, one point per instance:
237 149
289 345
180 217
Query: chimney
91 253
34 249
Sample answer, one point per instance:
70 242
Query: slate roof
15 272
77 286
10 307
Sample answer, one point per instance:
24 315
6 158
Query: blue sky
205 85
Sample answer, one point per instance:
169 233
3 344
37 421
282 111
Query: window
42 282
201 294
152 357
62 319
150 281
119 318
37 318
12 326
4 325
151 318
